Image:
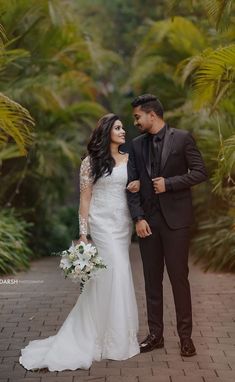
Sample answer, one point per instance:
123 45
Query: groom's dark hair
149 102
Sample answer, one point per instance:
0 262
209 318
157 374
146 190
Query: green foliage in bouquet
14 234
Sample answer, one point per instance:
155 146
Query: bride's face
117 134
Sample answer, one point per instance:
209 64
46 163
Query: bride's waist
109 200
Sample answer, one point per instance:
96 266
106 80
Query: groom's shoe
152 341
187 348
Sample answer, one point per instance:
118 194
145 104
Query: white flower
90 250
65 263
98 260
77 270
89 267
82 261
72 249
72 256
88 255
80 247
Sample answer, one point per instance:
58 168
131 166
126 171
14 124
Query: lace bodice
108 191
111 189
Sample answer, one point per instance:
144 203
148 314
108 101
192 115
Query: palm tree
51 77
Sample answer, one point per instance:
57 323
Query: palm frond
150 66
189 66
180 35
165 44
59 13
9 151
219 11
103 59
15 122
8 56
224 176
3 36
215 77
86 108
173 6
74 81
52 150
11 56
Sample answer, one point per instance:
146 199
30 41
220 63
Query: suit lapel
146 154
168 141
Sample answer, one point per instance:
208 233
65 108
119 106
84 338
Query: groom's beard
142 129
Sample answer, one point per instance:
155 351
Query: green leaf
15 122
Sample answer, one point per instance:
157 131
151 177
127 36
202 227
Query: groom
167 163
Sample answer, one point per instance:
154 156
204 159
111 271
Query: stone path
40 300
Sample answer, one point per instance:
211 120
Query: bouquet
81 262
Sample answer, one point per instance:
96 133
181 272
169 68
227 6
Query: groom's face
142 120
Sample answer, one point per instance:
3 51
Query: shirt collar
160 134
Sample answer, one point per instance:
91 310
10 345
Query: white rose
77 270
89 267
65 263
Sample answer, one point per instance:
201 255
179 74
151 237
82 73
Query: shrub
14 234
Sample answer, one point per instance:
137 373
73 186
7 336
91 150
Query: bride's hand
81 238
134 186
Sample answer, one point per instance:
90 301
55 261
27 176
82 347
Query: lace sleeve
86 182
85 174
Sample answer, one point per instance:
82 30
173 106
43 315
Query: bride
103 323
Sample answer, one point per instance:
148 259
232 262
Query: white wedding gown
103 323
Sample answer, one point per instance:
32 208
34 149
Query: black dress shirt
155 151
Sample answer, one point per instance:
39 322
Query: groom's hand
142 229
159 185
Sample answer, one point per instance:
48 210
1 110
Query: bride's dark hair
98 147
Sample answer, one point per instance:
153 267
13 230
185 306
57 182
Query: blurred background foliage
65 63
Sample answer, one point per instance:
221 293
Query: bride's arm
86 183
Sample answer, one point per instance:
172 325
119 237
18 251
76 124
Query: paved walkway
41 299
